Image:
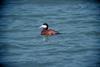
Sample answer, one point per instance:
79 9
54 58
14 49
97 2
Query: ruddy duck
46 31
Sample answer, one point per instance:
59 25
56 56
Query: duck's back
48 32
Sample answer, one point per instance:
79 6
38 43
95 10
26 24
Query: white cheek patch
43 26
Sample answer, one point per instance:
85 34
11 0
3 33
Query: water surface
21 44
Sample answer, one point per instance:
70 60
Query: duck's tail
58 32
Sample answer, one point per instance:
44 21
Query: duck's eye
43 26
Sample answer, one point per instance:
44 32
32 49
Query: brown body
48 32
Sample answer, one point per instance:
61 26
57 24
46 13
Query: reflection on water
21 44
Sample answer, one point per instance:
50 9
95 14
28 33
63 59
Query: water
21 44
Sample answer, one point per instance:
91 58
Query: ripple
21 44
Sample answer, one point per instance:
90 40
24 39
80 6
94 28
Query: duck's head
44 26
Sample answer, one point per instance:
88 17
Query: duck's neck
45 28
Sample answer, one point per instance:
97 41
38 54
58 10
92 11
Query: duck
46 31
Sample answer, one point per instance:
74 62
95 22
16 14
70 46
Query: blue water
21 44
